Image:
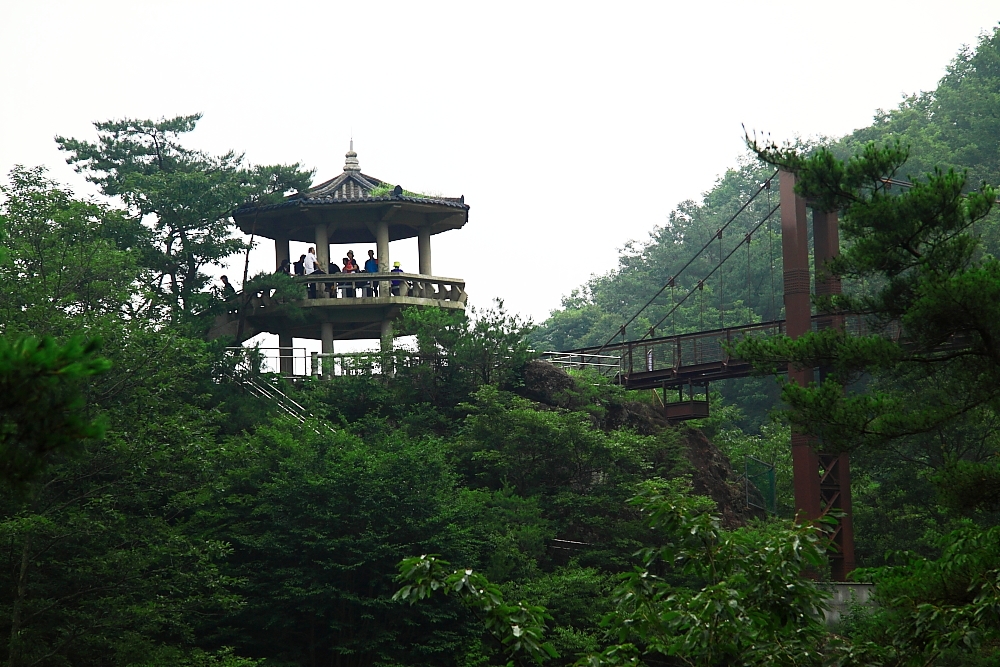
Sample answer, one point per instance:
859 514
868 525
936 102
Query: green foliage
915 243
748 602
68 264
101 560
955 125
317 521
969 485
42 406
752 604
596 311
771 445
200 519
185 195
386 189
944 610
519 628
507 441
169 656
488 348
577 598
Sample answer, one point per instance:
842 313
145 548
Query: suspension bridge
693 359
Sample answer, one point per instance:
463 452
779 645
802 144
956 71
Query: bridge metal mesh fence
760 482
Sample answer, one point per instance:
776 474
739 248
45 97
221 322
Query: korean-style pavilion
352 208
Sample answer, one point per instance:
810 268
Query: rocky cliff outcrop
711 471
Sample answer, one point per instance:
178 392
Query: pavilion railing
367 285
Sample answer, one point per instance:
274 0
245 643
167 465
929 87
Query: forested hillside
956 126
197 517
479 506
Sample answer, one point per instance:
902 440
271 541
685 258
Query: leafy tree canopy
182 195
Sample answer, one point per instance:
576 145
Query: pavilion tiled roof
352 186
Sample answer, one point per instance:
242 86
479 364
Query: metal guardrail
268 359
760 485
347 364
697 356
248 371
607 365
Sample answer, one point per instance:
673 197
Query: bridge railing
702 348
683 350
608 365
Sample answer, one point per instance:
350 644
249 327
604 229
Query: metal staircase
246 373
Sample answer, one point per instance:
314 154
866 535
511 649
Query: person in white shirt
310 261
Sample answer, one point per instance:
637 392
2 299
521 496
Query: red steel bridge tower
822 480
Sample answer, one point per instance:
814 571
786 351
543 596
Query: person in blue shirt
371 266
396 283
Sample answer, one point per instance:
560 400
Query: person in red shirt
348 267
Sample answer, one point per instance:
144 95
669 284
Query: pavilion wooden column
280 251
835 483
382 251
424 250
285 362
798 320
322 248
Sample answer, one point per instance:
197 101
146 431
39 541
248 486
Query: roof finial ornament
351 164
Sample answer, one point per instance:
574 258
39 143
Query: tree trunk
15 614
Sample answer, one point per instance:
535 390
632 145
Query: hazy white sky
569 127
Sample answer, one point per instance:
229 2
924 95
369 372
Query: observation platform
347 317
351 209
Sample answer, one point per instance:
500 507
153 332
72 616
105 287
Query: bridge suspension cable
718 266
766 185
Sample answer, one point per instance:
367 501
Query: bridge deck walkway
683 359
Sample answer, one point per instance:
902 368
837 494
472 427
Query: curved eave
351 220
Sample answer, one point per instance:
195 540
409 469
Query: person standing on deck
371 266
349 267
310 261
228 293
396 283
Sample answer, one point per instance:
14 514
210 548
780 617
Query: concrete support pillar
424 250
387 335
326 338
382 251
322 248
285 363
798 320
281 251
